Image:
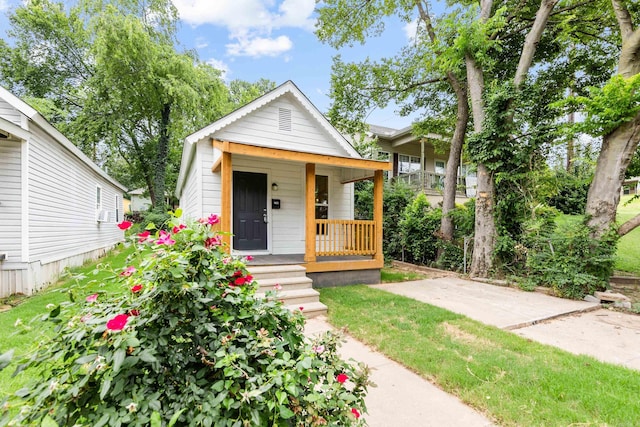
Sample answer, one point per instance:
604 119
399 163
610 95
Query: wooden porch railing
345 237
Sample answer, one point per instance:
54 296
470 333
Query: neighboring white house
57 208
139 202
281 178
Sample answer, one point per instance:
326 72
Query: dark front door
249 211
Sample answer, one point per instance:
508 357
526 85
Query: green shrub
397 197
570 261
419 226
187 344
571 195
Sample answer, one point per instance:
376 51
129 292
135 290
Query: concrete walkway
403 398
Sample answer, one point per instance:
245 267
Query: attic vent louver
284 119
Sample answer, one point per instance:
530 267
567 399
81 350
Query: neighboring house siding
62 204
139 203
261 127
10 200
9 113
286 223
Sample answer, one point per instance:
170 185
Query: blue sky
272 39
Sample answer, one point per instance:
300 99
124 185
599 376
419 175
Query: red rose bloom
341 378
124 225
118 323
136 288
143 236
355 412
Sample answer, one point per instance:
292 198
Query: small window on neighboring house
440 167
98 198
322 202
385 156
284 119
117 208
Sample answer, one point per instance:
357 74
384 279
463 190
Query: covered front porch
331 241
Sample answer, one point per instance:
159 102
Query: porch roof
347 163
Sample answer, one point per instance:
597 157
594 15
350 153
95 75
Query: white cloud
251 23
410 30
4 5
220 66
260 46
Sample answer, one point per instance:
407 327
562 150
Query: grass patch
18 331
628 252
392 275
515 381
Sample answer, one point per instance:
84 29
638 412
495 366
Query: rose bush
188 344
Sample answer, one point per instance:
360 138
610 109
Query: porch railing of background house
336 237
430 181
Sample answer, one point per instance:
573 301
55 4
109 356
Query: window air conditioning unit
103 216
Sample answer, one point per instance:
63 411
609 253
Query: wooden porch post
310 216
377 213
225 202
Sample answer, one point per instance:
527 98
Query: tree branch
624 19
629 225
532 40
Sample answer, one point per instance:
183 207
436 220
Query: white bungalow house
281 179
416 162
139 202
57 208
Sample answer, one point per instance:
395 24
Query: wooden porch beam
378 183
321 159
310 213
225 198
322 266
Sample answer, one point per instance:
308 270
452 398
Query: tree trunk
604 193
619 146
485 227
162 154
457 141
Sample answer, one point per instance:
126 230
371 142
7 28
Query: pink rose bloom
128 271
118 323
213 219
92 298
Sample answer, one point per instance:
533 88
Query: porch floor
299 259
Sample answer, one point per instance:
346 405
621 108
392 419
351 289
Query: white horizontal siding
62 204
261 128
10 201
9 113
190 200
340 195
211 202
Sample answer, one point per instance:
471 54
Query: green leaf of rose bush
187 344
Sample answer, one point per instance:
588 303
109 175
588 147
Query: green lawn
628 254
513 380
20 332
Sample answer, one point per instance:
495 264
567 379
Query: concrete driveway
576 326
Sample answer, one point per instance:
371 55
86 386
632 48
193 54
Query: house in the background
139 201
631 185
281 179
416 162
57 208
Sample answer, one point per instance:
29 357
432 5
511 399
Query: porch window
322 201
408 164
98 198
117 208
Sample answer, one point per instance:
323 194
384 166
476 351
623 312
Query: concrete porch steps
297 289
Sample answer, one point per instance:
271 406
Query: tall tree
415 78
615 112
